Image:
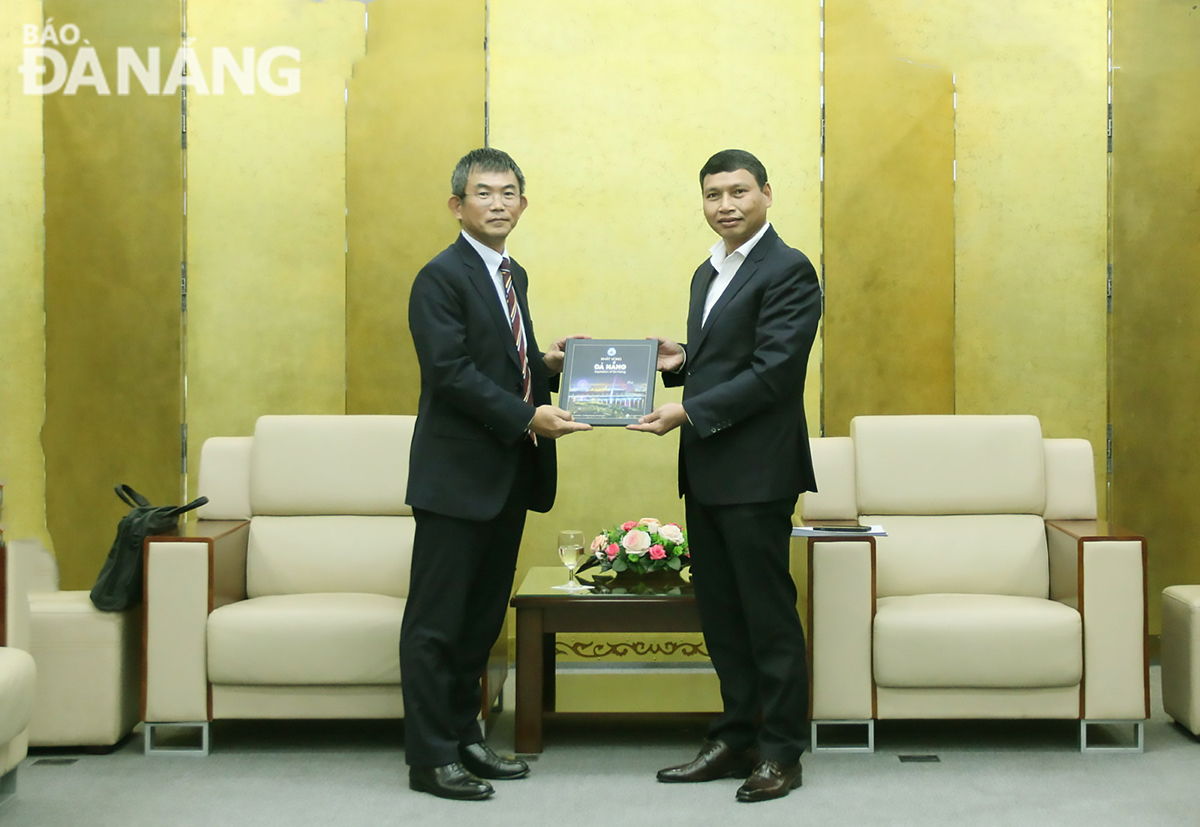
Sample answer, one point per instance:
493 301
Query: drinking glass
570 551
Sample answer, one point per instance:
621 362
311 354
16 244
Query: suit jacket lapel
744 274
700 281
479 278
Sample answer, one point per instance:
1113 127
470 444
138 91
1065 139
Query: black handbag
119 586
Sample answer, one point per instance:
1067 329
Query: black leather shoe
479 759
449 781
716 760
771 779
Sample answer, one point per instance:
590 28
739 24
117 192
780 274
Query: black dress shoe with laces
771 779
716 760
449 781
479 759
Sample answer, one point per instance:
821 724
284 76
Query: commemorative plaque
608 381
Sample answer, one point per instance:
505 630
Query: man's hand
552 422
670 355
553 358
661 420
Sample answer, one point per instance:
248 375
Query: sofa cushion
976 641
1070 480
225 478
953 464
972 554
330 465
306 639
297 555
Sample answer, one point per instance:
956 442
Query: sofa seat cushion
17 679
306 639
978 641
68 618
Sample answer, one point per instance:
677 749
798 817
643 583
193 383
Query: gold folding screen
1026 330
308 214
416 105
1156 291
114 228
266 223
889 225
22 294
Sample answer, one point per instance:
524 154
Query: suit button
714 430
689 373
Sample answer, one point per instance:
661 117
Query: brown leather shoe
716 760
771 779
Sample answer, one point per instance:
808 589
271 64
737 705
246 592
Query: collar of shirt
719 257
492 261
727 267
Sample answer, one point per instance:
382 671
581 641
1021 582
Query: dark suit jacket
743 380
470 432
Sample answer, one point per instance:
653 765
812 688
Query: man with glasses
482 456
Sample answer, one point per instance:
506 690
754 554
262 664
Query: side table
542 612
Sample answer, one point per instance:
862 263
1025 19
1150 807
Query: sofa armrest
188 575
841 615
1101 571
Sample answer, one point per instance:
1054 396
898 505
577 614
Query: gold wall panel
22 319
266 185
889 225
114 219
611 109
1156 292
416 107
1030 199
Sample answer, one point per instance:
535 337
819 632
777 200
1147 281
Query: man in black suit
743 461
482 456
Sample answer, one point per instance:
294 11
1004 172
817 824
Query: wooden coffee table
542 612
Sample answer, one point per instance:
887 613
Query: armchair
17 671
285 599
995 594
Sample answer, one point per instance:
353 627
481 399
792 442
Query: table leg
549 672
529 666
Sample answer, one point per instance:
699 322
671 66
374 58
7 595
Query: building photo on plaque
608 381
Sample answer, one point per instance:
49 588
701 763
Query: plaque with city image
608 381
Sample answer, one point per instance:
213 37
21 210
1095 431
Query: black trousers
461 582
747 602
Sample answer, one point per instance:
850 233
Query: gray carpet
352 773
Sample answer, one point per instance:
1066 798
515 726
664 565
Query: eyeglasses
488 196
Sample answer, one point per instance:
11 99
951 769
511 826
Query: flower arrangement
639 547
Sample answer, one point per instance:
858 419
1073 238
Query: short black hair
484 160
731 160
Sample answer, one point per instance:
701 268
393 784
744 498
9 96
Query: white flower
671 533
635 542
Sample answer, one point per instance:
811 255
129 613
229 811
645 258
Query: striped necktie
518 330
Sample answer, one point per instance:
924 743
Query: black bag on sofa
119 585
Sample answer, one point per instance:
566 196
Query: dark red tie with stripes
518 330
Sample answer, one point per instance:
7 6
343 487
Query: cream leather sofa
995 594
285 599
17 671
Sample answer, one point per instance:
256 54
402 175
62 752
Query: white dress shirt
492 261
727 267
